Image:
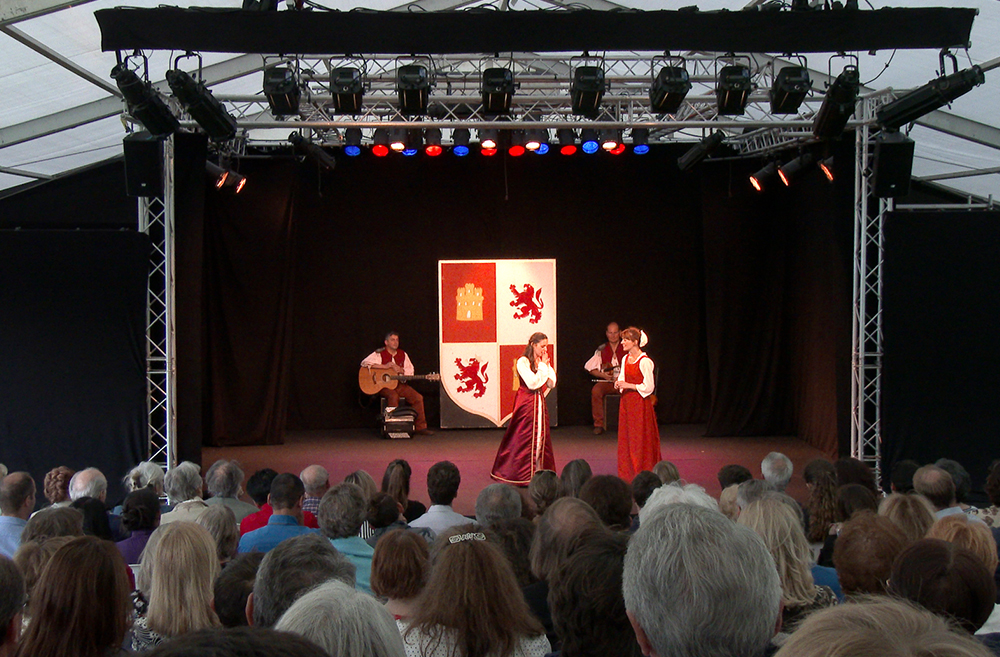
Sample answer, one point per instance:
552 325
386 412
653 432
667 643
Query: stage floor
343 451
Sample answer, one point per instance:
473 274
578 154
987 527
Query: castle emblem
469 303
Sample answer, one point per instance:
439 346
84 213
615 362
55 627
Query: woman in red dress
638 433
526 447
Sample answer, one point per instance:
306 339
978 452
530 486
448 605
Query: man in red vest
391 357
604 365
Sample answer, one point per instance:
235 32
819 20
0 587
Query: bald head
88 483
17 495
316 480
936 485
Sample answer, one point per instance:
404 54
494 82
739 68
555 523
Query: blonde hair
974 536
667 472
776 521
727 502
183 567
911 512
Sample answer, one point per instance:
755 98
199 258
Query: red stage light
433 150
489 152
756 183
568 149
380 150
516 150
618 150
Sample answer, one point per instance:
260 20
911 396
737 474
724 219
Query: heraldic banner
489 309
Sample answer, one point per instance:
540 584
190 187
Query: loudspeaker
143 164
892 165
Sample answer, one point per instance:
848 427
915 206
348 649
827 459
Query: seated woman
140 516
400 567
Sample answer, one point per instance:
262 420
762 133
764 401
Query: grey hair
183 482
344 621
694 580
315 479
295 566
3 470
145 474
751 491
11 594
89 482
497 502
342 511
777 470
224 478
675 493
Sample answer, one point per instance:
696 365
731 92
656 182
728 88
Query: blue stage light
641 149
589 142
460 150
410 152
352 151
542 149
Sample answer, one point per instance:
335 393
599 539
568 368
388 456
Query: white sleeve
534 380
648 382
372 359
407 365
594 363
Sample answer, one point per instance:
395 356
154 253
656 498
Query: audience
543 490
667 472
224 482
751 491
443 480
514 536
32 557
854 471
821 482
901 476
611 497
400 566
991 515
341 513
865 551
912 513
727 503
56 485
233 586
497 502
90 482
12 596
140 517
53 522
396 482
776 469
963 482
221 524
285 521
574 475
317 481
733 474
370 488
17 501
146 474
675 493
183 486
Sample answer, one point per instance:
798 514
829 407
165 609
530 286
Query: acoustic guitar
372 380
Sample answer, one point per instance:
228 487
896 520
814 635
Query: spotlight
223 178
758 179
144 104
413 86
586 90
488 139
788 170
700 151
380 142
733 89
517 141
352 142
202 106
397 139
826 166
640 141
460 138
567 141
282 90
790 87
588 141
838 104
432 142
923 100
348 87
668 90
413 141
498 90
488 152
535 138
610 139
313 152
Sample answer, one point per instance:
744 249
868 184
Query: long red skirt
638 435
526 447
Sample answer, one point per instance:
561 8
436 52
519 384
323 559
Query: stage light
700 151
826 166
313 152
589 143
536 139
282 90
567 141
460 138
348 88
202 106
498 90
923 100
732 89
586 90
669 89
223 178
237 182
789 89
432 142
397 139
413 87
488 139
788 170
144 104
414 140
488 152
838 104
543 148
380 142
352 142
759 179
610 139
517 141
640 141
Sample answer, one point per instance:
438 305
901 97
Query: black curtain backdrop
746 297
941 379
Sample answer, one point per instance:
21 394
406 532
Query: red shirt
259 519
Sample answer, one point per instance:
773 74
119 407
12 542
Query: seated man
391 357
605 365
285 521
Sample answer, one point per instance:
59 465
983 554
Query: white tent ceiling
61 110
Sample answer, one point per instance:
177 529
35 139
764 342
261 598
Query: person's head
343 621
543 490
901 476
220 521
514 536
632 335
879 627
777 470
141 510
32 557
676 494
145 474
852 498
864 552
52 523
90 482
819 470
239 642
538 343
946 579
936 484
396 481
959 475
911 512
667 472
751 491
364 480
56 485
497 502
84 592
95 517
3 470
611 498
973 536
727 502
316 480
821 481
383 511
400 565
643 486
585 598
443 479
733 474
17 495
574 475
12 596
612 333
233 586
286 492
224 479
183 482
342 511
693 578
854 471
992 486
392 340
296 565
558 529
182 566
259 485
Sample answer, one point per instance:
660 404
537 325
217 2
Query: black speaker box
143 164
892 165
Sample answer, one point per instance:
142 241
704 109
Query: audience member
675 493
643 486
17 501
183 485
514 536
396 482
854 471
963 482
937 485
732 474
901 476
224 482
667 472
341 513
32 557
777 470
240 642
991 515
574 475
751 491
443 480
864 553
89 482
56 485
146 474
233 586
317 481
385 515
53 522
497 502
140 517
973 536
821 482
911 512
611 497
285 521
221 524
3 470
368 485
400 567
851 499
727 503
12 597
696 583
258 488
543 490
96 521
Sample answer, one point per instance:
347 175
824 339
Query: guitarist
604 365
391 357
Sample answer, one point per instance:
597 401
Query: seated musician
391 357
604 365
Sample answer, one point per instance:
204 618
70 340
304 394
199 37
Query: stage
697 458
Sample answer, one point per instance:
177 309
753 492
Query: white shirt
417 644
535 380
646 367
439 518
375 358
595 361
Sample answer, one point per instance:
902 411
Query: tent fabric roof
62 113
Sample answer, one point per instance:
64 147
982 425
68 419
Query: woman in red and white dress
638 433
